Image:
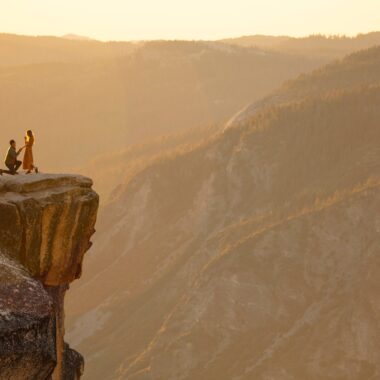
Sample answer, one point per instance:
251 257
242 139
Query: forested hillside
252 255
315 45
354 71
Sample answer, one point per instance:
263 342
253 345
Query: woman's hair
29 133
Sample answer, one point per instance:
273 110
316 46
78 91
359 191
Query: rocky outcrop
46 222
73 364
27 325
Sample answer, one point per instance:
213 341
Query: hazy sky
187 19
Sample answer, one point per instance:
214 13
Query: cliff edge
46 222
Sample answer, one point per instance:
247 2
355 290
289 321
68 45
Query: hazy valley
252 253
239 181
120 94
190 190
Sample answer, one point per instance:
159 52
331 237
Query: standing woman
27 162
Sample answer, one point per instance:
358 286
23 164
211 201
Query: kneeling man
11 161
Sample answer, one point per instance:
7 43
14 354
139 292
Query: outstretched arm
20 150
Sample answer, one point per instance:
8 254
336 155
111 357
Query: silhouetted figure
11 161
27 162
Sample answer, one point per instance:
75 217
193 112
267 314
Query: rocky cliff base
46 222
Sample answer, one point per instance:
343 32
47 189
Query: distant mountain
18 50
314 45
258 40
87 98
250 256
340 75
76 37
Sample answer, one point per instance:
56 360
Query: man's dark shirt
11 157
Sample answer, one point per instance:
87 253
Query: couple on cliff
11 161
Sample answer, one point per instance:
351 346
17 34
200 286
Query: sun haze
198 19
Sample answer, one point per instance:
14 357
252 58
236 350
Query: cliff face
27 325
46 222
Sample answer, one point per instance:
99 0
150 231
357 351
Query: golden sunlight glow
180 19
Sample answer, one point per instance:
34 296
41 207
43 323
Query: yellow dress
27 162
